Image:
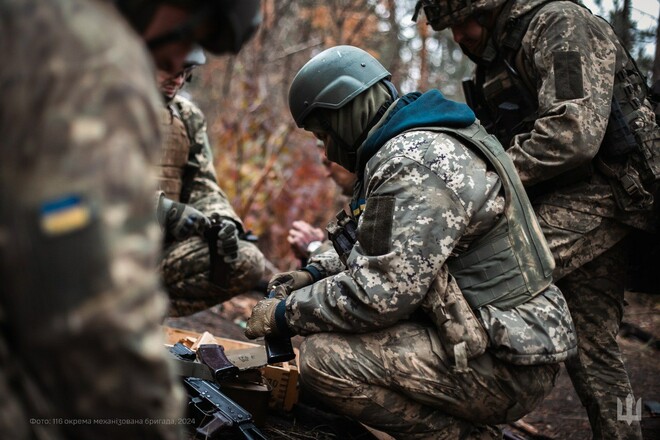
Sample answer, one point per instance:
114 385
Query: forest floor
560 416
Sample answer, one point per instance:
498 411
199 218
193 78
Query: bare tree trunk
656 60
627 26
423 57
395 29
621 22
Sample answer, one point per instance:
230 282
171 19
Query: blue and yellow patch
61 216
358 207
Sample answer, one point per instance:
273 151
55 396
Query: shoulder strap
512 30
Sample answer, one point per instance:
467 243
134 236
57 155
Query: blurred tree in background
634 38
272 170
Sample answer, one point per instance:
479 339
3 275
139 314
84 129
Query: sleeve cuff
316 274
280 320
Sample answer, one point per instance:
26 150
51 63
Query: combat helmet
332 79
441 14
232 22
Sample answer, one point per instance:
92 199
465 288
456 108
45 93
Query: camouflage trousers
185 270
400 381
591 257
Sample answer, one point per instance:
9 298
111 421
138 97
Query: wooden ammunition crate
282 378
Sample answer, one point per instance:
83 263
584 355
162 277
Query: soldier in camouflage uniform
436 317
187 176
81 350
562 95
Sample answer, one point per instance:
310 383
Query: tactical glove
290 281
279 292
262 321
179 220
227 241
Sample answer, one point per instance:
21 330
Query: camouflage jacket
569 56
428 197
80 299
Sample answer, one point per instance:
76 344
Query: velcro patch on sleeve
375 233
568 75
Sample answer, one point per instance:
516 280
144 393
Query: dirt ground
560 416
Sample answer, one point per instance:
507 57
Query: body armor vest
197 142
511 264
174 158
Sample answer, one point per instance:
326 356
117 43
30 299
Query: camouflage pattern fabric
398 375
81 349
574 106
174 156
428 176
571 56
327 262
398 380
596 303
186 264
185 269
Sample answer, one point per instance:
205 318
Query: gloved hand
228 241
179 220
262 321
279 292
290 281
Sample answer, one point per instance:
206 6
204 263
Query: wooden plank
174 335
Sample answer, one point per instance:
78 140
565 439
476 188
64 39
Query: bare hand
301 235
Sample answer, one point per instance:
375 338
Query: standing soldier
205 269
81 352
560 92
394 342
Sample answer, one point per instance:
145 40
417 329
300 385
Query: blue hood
413 110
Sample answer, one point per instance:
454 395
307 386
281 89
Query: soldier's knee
309 359
315 361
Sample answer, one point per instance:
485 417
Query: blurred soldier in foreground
436 317
81 352
557 88
189 187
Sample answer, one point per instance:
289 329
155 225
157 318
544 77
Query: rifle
214 413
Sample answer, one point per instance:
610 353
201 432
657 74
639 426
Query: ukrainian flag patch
67 214
358 208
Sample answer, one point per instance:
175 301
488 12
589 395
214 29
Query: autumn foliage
270 169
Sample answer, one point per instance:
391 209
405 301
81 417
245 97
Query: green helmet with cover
227 24
332 79
441 14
